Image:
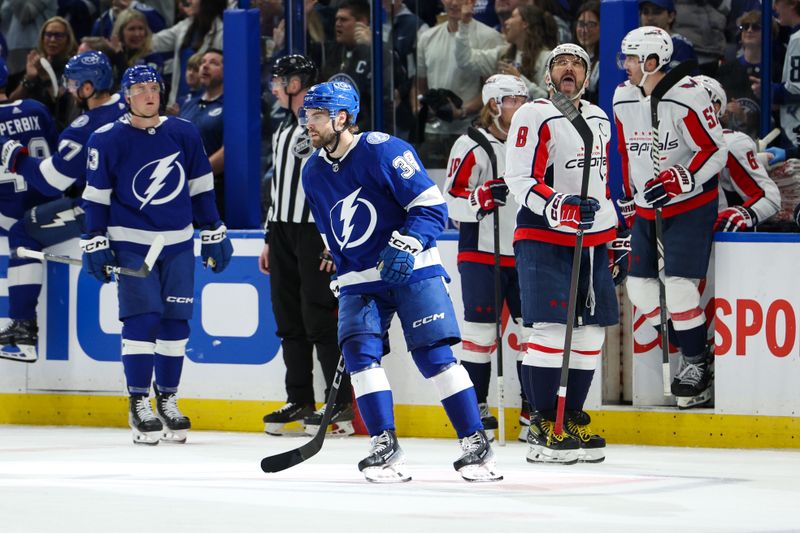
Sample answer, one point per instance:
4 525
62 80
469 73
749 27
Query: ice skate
477 462
146 426
175 424
280 422
544 446
18 341
341 424
592 446
524 421
386 460
693 384
489 422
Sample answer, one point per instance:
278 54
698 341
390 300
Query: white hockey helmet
501 85
715 91
645 42
572 50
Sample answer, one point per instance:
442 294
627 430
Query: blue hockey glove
570 211
9 151
397 260
487 197
215 247
619 255
96 255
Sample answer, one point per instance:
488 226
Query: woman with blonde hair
45 66
132 42
530 34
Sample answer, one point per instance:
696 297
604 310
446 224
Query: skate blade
174 436
388 474
22 353
701 400
542 454
291 429
480 473
149 438
337 429
592 455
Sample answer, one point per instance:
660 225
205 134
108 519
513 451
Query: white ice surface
68 479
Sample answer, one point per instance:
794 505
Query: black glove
442 102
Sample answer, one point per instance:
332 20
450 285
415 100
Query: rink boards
234 370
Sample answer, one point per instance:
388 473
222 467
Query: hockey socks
22 299
578 383
168 363
137 360
479 374
541 386
374 397
458 399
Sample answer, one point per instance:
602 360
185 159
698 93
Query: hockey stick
568 109
667 82
768 138
288 459
484 143
141 272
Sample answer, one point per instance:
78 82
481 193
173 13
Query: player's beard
323 139
575 86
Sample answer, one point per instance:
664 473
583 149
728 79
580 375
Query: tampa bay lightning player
88 77
149 175
374 204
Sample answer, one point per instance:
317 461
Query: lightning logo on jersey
346 216
155 180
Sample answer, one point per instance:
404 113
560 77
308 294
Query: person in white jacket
530 34
197 33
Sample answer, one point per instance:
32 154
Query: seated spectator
201 31
703 25
205 112
42 77
104 26
132 42
530 32
661 13
22 23
437 69
587 34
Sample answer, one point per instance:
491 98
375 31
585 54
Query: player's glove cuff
215 233
93 243
9 152
408 242
627 208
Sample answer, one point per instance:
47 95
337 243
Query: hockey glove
736 218
487 197
9 153
619 255
627 208
215 247
670 183
569 210
96 256
396 263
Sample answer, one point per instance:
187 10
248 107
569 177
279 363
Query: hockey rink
71 479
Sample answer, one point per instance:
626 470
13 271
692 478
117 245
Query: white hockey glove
9 152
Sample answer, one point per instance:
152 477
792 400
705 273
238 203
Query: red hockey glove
569 210
670 183
484 199
736 218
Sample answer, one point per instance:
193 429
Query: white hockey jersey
790 111
689 134
544 155
468 168
744 180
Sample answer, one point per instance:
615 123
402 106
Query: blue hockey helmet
141 74
334 96
91 66
3 73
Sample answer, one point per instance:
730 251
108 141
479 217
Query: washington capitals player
544 171
374 204
149 175
749 196
88 76
692 153
472 193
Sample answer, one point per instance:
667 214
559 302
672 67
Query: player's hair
755 16
592 6
213 51
125 17
358 8
542 33
207 13
486 117
71 46
98 44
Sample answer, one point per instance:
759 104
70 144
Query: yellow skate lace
582 432
549 429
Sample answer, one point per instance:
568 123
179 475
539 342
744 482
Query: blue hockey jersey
53 175
29 123
377 187
144 182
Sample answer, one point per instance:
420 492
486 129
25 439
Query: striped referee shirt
291 148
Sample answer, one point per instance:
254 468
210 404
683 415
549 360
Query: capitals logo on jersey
353 220
159 182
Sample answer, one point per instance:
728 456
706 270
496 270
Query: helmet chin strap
496 121
338 134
